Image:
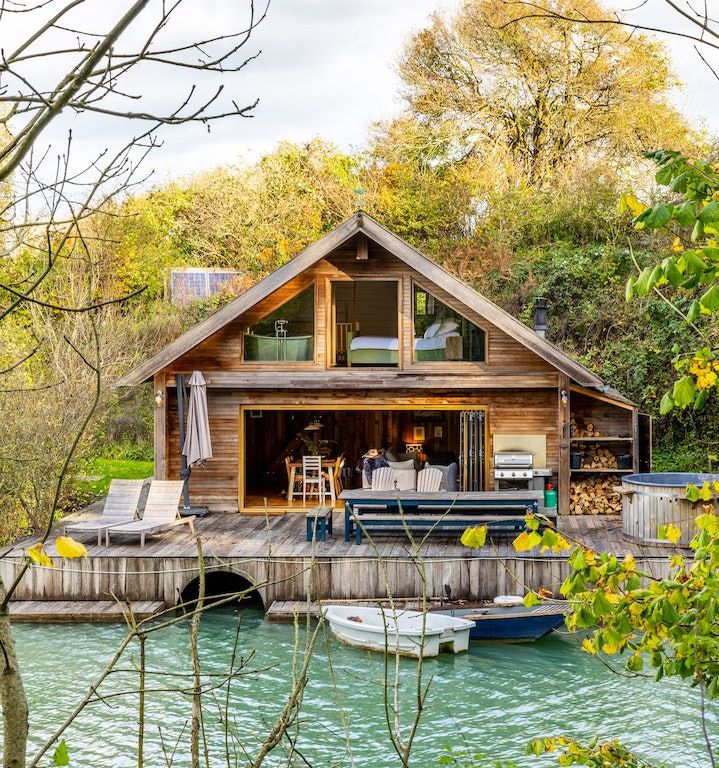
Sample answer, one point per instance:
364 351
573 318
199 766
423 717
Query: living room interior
276 438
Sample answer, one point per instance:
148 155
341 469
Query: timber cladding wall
340 578
223 350
216 484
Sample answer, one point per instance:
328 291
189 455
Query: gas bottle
550 497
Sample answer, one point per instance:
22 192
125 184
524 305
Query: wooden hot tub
651 499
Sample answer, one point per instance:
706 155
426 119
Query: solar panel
195 284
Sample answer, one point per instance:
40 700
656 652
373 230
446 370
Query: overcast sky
327 68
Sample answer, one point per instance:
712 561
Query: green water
492 699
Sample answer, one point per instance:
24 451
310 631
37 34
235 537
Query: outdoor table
416 503
327 464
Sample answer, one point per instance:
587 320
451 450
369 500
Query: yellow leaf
677 246
38 555
69 548
526 541
672 533
475 537
630 564
629 202
589 646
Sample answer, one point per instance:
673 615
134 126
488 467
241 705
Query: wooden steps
80 610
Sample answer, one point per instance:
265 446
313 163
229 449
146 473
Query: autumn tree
533 96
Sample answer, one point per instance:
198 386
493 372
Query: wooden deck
272 554
94 611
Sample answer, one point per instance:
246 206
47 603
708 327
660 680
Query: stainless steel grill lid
516 460
513 466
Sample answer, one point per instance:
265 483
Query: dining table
328 465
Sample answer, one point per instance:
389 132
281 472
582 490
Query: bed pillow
432 331
448 326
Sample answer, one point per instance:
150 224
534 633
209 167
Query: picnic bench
367 510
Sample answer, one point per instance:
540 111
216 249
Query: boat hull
516 624
407 633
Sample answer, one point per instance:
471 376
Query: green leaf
666 404
530 599
658 217
629 290
709 214
585 618
698 231
684 213
710 299
600 604
61 756
692 492
684 392
701 399
694 311
672 273
693 264
641 284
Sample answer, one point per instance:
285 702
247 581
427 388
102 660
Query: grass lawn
108 469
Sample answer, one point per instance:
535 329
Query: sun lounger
121 505
161 512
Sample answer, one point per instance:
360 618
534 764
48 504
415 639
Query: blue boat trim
515 624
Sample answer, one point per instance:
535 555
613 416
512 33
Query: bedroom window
364 323
287 334
441 334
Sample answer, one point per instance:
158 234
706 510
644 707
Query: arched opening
219 585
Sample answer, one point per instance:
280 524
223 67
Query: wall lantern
564 396
159 398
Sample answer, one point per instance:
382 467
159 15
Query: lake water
492 699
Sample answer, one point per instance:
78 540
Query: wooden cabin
362 342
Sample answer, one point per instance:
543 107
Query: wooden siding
223 350
216 484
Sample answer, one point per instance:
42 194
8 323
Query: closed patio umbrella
195 440
198 445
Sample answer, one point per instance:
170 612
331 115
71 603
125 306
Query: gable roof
361 222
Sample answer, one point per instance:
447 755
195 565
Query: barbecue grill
513 466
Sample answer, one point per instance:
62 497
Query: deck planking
95 611
272 553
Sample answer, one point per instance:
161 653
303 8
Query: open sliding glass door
472 450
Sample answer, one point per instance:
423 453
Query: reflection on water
492 699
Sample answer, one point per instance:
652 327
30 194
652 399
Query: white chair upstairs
383 479
429 480
312 480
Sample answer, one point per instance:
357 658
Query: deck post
563 476
160 452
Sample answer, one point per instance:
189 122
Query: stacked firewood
584 430
596 457
594 495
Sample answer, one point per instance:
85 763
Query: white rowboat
408 633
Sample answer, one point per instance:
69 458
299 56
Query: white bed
384 350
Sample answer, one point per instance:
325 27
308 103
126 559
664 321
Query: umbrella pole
185 471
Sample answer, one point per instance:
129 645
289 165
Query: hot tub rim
669 479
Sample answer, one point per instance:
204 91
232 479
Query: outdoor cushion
409 464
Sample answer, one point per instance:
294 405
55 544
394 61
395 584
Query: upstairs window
441 333
287 334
